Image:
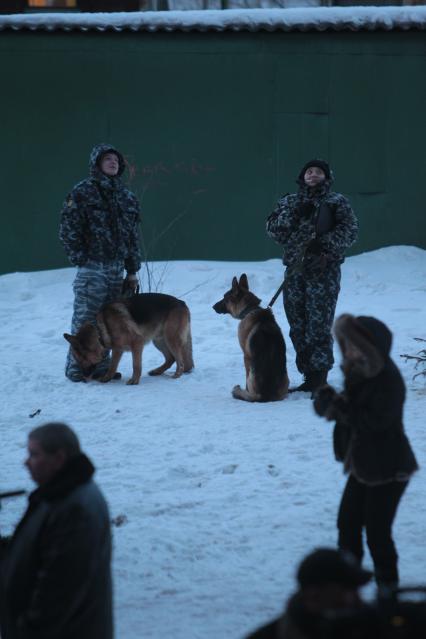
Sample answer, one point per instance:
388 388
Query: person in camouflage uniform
99 230
315 226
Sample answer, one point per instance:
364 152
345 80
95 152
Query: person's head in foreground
50 447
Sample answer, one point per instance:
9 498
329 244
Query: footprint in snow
274 472
230 469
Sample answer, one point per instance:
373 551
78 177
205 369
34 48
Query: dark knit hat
322 164
330 566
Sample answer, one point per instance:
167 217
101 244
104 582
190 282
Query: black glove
130 286
306 209
326 220
323 400
314 247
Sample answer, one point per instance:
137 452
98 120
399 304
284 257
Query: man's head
330 579
314 173
109 164
105 159
49 449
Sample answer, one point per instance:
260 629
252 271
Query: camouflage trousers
95 284
310 302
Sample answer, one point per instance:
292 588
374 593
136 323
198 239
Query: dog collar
247 310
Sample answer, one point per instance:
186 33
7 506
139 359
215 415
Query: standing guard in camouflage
99 230
315 226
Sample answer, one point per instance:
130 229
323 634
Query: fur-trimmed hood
370 337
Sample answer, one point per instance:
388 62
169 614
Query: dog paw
105 378
133 381
236 390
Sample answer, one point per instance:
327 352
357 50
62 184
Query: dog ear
71 339
234 283
244 281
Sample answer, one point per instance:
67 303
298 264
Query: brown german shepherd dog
262 343
129 324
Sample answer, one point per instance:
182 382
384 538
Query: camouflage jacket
294 231
100 218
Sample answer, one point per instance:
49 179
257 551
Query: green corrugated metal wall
215 127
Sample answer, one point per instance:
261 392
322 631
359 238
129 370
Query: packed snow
220 498
303 19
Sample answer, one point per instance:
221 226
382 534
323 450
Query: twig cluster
420 358
152 277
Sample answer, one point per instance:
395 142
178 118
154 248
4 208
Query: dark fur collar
247 310
78 470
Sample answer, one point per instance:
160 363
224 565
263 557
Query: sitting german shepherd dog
262 343
129 324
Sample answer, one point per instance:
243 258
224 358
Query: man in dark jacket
55 575
369 439
99 230
315 226
329 581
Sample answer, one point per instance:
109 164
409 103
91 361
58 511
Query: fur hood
370 337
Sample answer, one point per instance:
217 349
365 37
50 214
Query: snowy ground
222 498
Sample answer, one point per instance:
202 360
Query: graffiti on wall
161 173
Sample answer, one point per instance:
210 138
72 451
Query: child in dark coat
369 439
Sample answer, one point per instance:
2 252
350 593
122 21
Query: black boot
318 379
101 373
312 381
305 386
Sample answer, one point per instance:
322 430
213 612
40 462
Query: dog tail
269 362
188 361
179 337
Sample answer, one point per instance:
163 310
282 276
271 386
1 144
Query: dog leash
274 299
